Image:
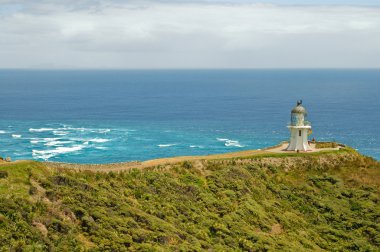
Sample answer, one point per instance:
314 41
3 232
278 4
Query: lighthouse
299 129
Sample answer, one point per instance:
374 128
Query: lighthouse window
299 133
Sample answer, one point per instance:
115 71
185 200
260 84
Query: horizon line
190 68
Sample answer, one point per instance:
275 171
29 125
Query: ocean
106 116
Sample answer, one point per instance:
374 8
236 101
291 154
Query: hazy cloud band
187 35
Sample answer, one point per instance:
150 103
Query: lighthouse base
298 138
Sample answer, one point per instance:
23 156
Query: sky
169 34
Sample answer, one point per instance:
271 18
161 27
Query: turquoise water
113 116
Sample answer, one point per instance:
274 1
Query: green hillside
317 202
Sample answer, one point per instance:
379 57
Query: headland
261 200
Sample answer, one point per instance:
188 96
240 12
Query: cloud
104 34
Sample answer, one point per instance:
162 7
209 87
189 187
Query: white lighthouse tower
299 129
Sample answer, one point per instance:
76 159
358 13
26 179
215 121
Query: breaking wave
42 140
101 148
57 143
66 129
196 146
222 139
46 154
60 133
230 143
40 129
233 143
165 145
104 130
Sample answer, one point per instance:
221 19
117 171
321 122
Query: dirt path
5 163
172 160
150 163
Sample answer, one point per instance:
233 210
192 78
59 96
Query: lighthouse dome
299 109
298 115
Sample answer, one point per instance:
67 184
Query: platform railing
305 123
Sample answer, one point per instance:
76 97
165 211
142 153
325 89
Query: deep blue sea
113 116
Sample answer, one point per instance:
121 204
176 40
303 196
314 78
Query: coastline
124 166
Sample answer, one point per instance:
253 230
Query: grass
327 201
17 181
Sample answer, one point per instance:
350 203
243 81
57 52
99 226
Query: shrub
3 174
33 190
187 164
322 145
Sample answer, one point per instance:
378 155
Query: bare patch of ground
41 227
38 193
282 148
276 229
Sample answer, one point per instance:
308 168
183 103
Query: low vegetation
324 202
322 145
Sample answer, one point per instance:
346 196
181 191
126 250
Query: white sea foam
60 133
64 129
84 141
230 143
40 129
101 148
46 139
21 153
82 129
87 141
74 129
142 139
222 139
165 145
61 150
16 136
196 146
46 154
3 132
104 130
233 143
37 140
99 140
57 143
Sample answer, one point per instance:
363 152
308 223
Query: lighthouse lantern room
299 129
